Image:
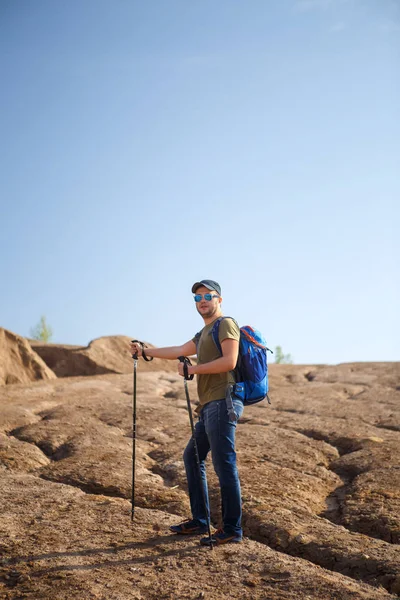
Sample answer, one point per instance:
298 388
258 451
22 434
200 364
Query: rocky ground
320 475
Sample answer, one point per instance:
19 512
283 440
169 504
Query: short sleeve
228 329
196 338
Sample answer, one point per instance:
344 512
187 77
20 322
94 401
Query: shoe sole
222 542
188 532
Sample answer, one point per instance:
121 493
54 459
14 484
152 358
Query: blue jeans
215 432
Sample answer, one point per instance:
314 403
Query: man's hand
136 348
181 372
169 353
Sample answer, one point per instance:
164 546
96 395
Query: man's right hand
136 348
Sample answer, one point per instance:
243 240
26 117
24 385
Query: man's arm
227 362
170 352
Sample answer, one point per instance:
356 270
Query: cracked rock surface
319 469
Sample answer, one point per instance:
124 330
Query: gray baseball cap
209 284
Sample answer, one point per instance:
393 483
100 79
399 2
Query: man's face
207 308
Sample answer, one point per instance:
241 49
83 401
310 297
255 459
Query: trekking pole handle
186 363
135 356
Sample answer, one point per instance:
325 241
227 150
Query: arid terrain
320 474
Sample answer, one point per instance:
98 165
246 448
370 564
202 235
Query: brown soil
320 485
18 362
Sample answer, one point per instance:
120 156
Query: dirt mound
109 354
320 482
18 362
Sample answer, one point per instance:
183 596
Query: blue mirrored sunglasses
207 297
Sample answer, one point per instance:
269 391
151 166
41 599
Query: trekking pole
135 361
186 362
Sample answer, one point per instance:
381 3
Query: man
214 430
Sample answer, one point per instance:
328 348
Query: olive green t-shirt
213 386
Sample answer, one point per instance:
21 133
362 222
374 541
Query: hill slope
320 486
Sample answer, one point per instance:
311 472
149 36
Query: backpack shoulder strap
215 332
197 338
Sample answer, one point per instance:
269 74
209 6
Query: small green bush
281 358
42 331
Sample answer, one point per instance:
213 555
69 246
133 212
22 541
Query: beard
211 311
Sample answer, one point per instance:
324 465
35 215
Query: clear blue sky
146 145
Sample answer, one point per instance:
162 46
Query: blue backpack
251 371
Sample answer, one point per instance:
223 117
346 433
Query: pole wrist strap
186 363
135 356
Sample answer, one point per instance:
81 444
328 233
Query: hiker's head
207 295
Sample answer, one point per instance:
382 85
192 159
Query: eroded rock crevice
344 445
389 427
54 454
360 460
374 568
88 487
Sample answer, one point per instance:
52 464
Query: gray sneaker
189 527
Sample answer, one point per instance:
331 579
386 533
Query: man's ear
220 299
